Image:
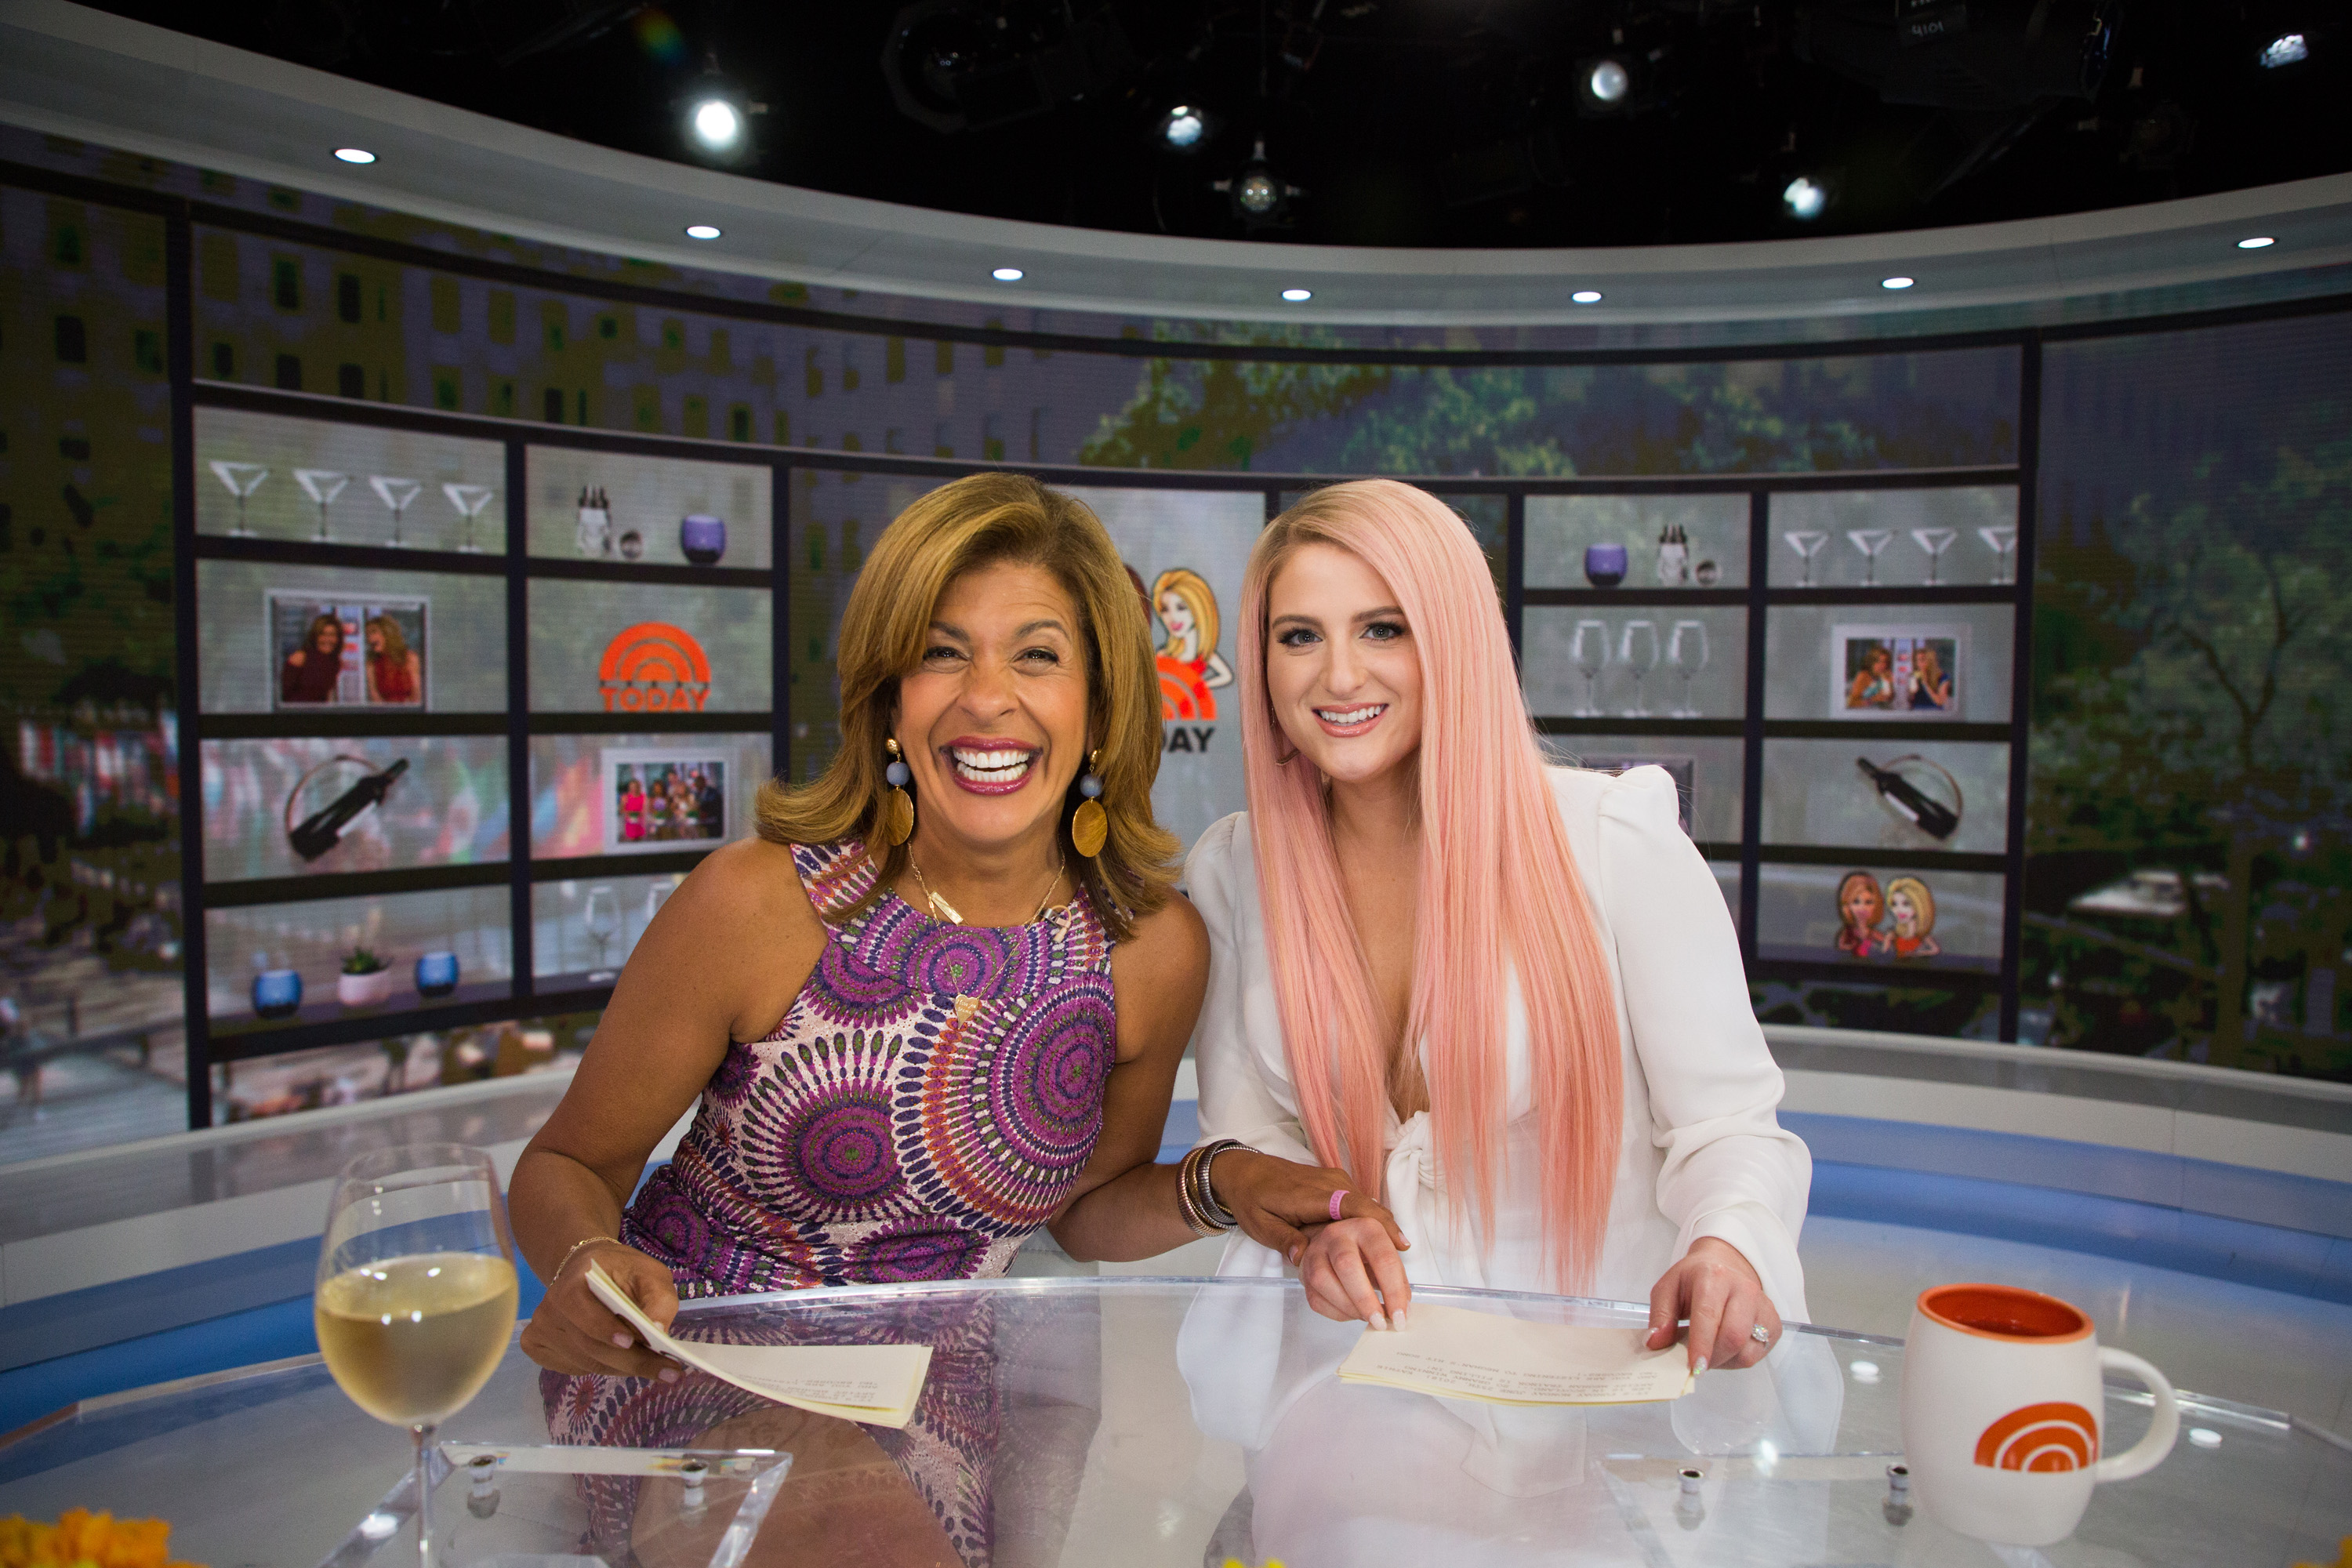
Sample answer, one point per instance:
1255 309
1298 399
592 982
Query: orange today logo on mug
2055 1435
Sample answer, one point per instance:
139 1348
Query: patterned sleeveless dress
925 1104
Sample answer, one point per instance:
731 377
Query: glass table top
1185 1422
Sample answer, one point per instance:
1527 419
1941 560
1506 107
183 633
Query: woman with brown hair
937 1004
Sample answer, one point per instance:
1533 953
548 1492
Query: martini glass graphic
1934 541
321 485
1807 542
242 479
395 493
1870 542
469 501
2000 539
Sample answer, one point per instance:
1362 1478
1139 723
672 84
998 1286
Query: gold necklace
949 913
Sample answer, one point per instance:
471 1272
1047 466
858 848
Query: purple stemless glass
1605 564
703 538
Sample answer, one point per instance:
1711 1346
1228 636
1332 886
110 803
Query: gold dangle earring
1090 824
897 822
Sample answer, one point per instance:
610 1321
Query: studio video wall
492 603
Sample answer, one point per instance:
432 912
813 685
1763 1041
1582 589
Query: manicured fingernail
1396 1320
669 1374
1700 1367
1379 1321
623 1341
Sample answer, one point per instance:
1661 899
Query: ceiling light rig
1183 128
2286 50
1805 198
718 116
1605 83
1261 198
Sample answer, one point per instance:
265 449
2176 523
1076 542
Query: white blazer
1701 1153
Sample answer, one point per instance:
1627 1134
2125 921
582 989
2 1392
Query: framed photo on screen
348 650
665 798
1897 671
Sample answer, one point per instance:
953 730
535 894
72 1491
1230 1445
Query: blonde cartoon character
1911 909
1189 665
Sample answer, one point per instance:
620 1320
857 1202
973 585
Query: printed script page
1463 1355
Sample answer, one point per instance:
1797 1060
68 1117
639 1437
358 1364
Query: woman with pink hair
1504 998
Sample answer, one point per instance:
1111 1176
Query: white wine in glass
416 1292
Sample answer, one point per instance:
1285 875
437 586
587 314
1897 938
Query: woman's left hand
1717 1292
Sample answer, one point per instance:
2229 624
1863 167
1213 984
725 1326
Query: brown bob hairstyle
976 521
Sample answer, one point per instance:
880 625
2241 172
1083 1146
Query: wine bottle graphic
323 829
1922 810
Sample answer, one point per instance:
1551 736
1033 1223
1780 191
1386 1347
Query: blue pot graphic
436 974
1605 564
278 993
702 539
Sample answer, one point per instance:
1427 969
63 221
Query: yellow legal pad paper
1463 1355
877 1384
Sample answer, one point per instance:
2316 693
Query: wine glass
416 1298
1638 637
2000 539
321 485
1687 651
1589 648
1807 542
1934 541
600 917
1870 542
656 895
395 493
469 501
242 479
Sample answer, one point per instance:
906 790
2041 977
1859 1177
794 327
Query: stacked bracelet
1194 1196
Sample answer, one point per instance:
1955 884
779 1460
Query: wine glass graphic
2000 539
242 479
1807 542
601 919
321 485
395 493
469 501
1589 648
1870 542
1934 541
1687 651
1638 646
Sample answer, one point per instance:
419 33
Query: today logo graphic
653 668
2053 1437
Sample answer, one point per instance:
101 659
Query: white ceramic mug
2002 1413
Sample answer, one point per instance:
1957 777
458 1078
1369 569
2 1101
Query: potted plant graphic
366 979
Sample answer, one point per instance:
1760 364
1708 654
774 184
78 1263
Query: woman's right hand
1352 1273
573 1332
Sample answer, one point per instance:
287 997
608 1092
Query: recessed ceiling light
1008 275
1587 296
1897 281
1299 296
2257 242
355 154
1805 199
701 231
2285 50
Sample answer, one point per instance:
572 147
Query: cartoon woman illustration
1912 908
395 673
312 669
632 809
1931 688
1873 685
1860 907
1189 665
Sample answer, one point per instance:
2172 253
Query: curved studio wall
2140 738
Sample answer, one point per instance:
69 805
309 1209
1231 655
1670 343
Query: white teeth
1343 717
994 767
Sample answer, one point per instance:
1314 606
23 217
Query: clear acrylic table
1122 1421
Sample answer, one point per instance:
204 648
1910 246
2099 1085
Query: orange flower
85 1540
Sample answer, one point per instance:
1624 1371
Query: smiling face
1342 670
1903 912
1176 615
993 719
1862 906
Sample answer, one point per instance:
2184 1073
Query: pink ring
1335 1201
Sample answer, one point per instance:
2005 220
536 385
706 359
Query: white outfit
1700 1153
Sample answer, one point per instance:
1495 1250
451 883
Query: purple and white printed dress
927 1101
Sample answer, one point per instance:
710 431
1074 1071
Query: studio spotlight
1183 128
717 124
2285 50
718 116
1605 83
1805 199
1261 197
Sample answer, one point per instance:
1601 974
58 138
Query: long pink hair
1499 890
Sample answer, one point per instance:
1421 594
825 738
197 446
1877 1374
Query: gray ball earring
897 822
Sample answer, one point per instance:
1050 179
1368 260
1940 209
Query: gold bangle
1193 1219
574 1251
1217 1208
